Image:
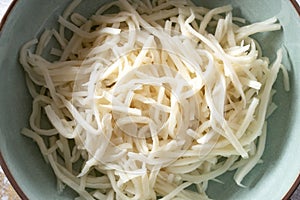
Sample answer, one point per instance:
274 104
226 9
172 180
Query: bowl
34 179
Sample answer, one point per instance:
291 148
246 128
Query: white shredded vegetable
147 101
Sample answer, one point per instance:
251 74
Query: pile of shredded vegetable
148 99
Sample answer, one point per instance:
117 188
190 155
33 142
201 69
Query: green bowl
21 157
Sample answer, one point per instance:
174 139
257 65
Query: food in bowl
150 99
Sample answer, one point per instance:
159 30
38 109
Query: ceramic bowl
34 179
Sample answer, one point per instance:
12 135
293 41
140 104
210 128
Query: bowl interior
29 18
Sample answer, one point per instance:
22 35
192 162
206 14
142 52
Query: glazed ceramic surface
270 180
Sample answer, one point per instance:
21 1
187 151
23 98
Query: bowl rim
11 178
296 5
293 189
7 12
3 165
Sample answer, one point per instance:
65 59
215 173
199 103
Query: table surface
6 190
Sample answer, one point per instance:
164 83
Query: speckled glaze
270 180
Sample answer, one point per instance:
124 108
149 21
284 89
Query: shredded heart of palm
150 100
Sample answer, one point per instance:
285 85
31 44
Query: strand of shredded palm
152 99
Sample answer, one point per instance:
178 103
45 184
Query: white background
3 6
